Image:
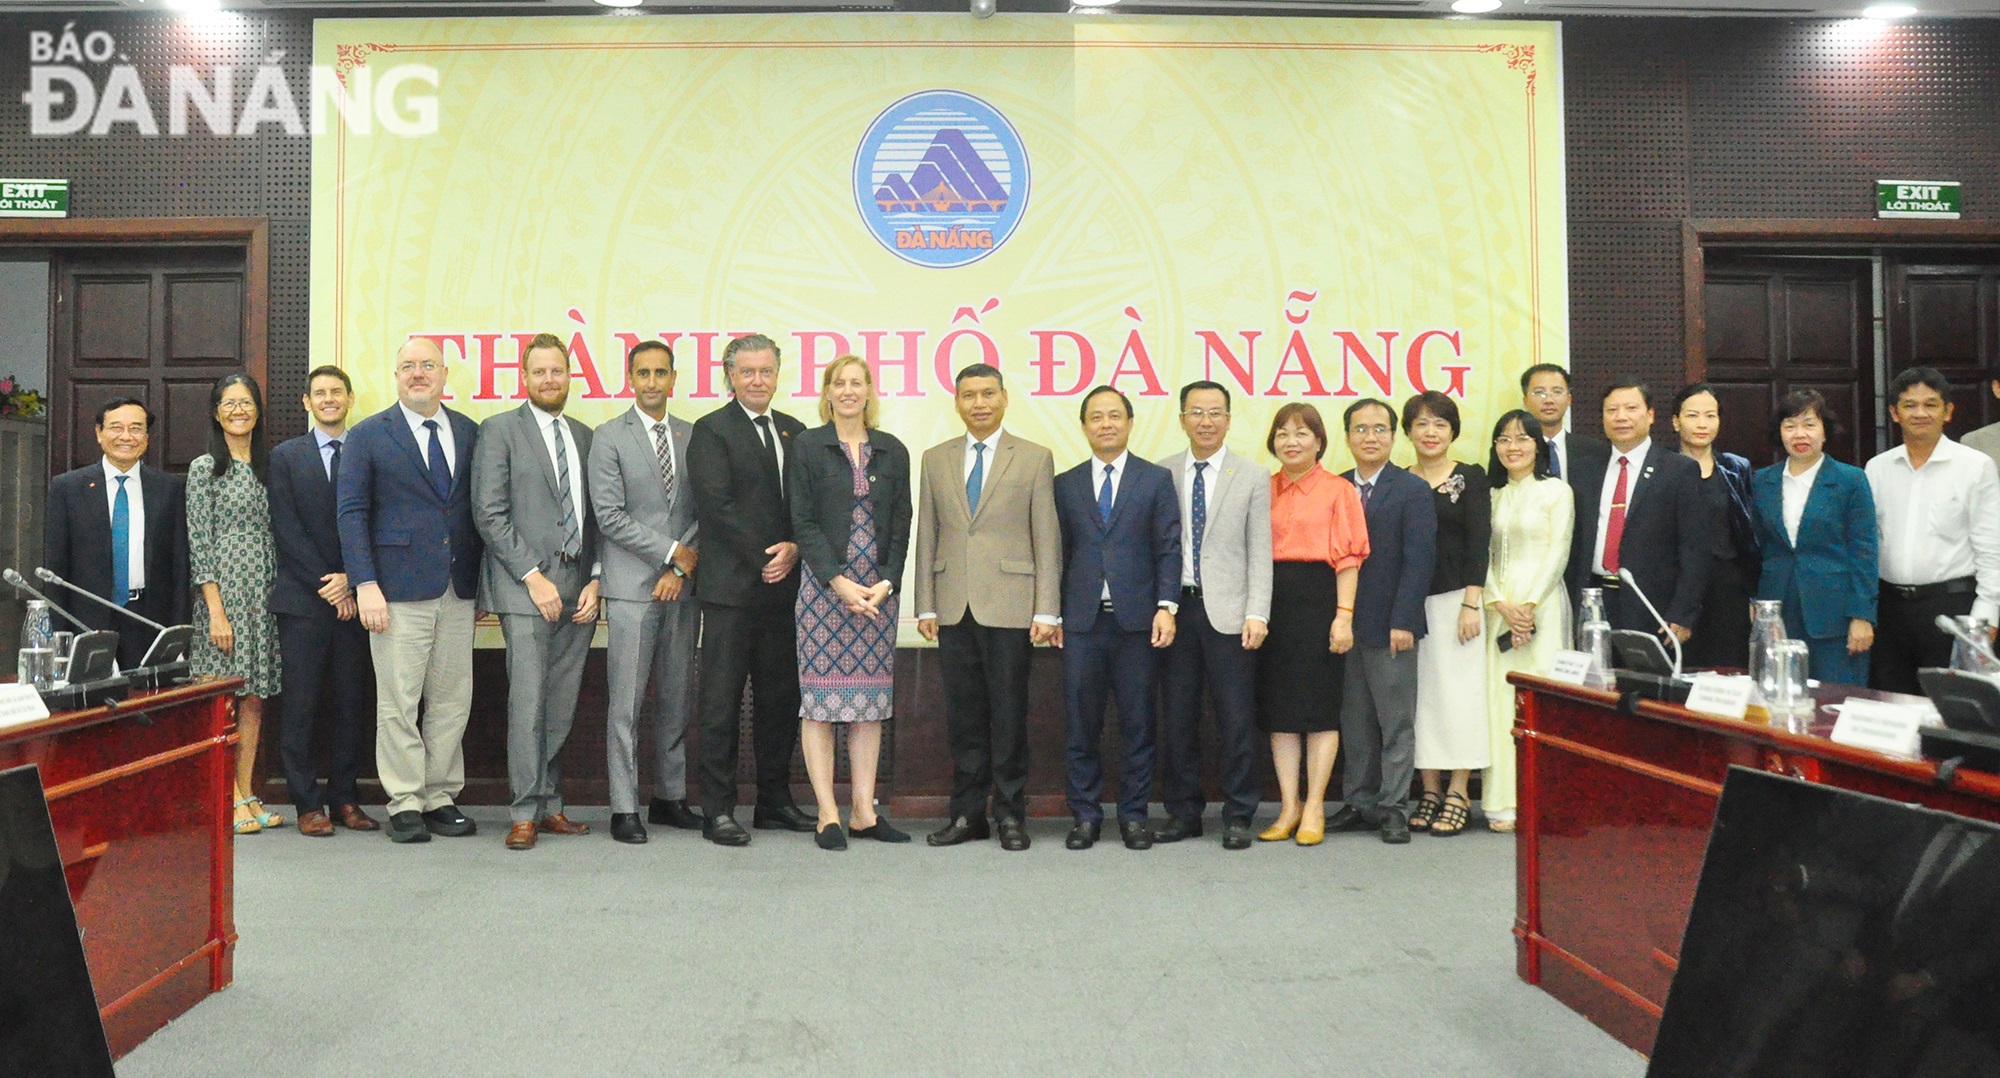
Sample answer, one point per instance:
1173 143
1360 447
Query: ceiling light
194 5
1474 7
1888 11
619 3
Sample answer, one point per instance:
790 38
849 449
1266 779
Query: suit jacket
1236 545
395 531
1833 565
305 526
1580 444
1738 541
1986 439
1138 551
1670 530
1004 565
821 484
739 496
76 545
637 523
1402 553
519 516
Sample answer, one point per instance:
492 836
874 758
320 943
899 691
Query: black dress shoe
1138 834
1176 829
783 818
625 827
881 832
1236 835
724 831
1348 818
959 830
1395 827
1013 834
408 827
1083 836
446 820
674 813
830 837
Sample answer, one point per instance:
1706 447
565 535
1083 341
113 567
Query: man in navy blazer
1378 705
1121 536
412 556
320 639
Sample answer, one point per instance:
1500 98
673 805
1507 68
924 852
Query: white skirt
1452 730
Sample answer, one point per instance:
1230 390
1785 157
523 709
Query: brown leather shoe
316 823
521 836
559 824
351 817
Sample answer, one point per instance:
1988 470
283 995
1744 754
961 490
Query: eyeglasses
1514 439
1549 393
428 366
1376 431
231 407
1199 414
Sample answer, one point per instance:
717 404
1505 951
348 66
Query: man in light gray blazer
531 503
645 512
1225 606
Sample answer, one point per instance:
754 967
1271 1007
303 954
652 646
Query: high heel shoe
1279 831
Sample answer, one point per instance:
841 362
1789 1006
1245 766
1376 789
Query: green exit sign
1917 199
34 198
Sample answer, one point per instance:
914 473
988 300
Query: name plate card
21 703
1720 694
1883 727
1571 667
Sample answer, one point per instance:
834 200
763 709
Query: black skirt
1298 679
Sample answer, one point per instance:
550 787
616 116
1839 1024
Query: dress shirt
1187 507
552 427
135 511
762 430
992 444
1794 490
1941 521
653 429
1366 483
1317 518
1559 449
423 437
1635 468
324 442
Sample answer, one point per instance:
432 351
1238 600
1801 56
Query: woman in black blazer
849 488
1722 637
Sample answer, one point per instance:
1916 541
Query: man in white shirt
1938 506
1545 393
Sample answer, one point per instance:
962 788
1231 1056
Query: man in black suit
749 582
1545 394
118 529
320 640
1121 533
1639 507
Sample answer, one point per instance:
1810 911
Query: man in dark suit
320 638
1121 537
412 557
1378 706
749 582
118 529
1545 394
1640 508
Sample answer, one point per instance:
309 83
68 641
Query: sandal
1426 811
1457 808
247 825
1500 827
265 817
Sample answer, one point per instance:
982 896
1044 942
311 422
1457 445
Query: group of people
1381 608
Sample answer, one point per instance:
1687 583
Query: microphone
99 600
1625 575
21 584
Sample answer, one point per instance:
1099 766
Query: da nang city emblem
941 179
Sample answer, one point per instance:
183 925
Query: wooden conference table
140 797
1615 809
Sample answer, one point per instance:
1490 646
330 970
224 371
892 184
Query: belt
133 595
1190 591
1604 581
1964 585
1104 606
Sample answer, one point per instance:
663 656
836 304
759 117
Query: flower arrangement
18 400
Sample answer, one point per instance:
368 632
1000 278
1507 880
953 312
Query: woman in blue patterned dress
849 485
231 557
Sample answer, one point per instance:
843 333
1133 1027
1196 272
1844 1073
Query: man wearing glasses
1545 394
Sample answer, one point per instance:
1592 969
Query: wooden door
1945 314
157 323
1777 324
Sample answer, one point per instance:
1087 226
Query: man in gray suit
645 512
531 503
1987 438
1225 607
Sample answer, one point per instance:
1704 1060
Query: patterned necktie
666 455
439 467
572 534
1104 497
333 467
1614 528
1367 492
121 546
1200 514
977 480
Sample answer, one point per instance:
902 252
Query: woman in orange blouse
1318 541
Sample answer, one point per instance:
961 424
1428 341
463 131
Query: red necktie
1614 528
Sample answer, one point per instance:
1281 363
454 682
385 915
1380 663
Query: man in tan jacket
988 582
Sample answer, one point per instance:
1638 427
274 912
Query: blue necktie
977 479
440 469
1200 499
1104 497
1555 462
121 546
333 465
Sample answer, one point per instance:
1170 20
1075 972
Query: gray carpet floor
586 957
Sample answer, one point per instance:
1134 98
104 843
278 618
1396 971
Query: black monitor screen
1837 934
48 1014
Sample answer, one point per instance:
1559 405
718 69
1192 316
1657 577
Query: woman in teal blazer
1821 561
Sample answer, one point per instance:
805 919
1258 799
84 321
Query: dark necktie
121 546
1555 460
440 468
1614 527
771 449
1104 497
1200 514
1367 492
977 480
666 455
333 466
572 535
